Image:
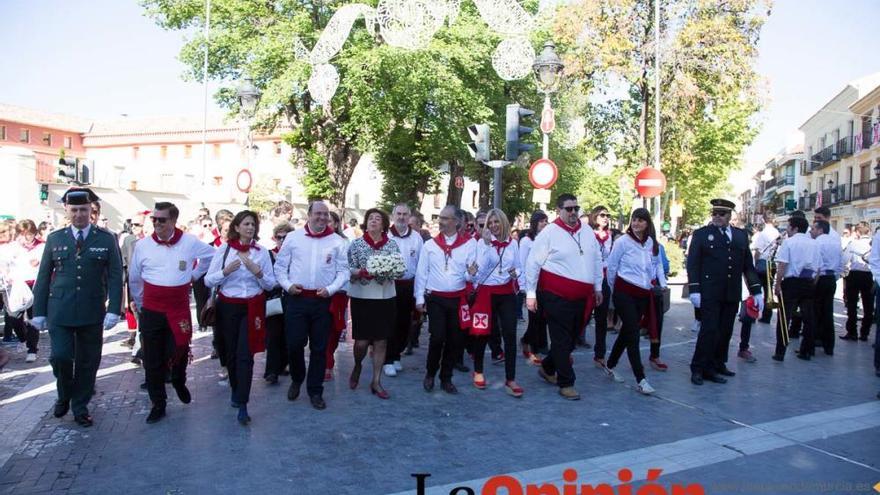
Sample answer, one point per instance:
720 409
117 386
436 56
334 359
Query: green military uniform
71 291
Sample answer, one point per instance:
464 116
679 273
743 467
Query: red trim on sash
649 319
256 319
464 311
173 302
570 230
324 233
481 313
170 242
566 288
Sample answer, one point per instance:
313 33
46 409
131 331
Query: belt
829 273
806 273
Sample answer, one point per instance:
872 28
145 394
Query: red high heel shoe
382 394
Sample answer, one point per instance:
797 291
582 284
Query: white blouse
241 283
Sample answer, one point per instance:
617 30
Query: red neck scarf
570 230
31 246
377 245
395 232
324 233
603 235
446 248
238 246
170 242
500 246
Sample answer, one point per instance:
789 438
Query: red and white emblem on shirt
481 321
465 313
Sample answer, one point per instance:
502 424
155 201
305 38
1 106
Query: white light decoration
452 9
300 52
576 133
337 31
513 58
506 17
323 83
410 24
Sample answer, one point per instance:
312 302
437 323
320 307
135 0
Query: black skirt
372 319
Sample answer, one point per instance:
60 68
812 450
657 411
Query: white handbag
274 307
19 298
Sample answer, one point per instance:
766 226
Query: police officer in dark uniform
80 270
717 260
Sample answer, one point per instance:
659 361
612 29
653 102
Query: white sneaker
389 370
398 366
613 374
223 373
644 387
695 327
31 357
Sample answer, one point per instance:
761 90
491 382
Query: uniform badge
329 258
711 237
181 266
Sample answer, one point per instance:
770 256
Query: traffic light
44 192
515 131
479 147
84 172
67 169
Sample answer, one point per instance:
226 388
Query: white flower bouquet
386 266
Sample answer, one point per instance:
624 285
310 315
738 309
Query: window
436 201
47 139
187 151
3 132
163 152
277 147
24 136
68 142
216 151
135 152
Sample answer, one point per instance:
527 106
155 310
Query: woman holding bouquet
375 263
498 259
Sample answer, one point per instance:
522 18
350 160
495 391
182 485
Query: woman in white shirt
535 338
240 273
25 268
632 267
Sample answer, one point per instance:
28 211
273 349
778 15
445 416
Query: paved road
781 428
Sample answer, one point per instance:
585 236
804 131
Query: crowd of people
296 286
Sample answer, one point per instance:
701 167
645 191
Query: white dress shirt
313 262
573 256
635 263
800 252
831 257
410 248
167 266
874 257
525 247
241 283
762 241
437 273
491 272
856 253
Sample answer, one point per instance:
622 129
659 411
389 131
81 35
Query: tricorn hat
79 196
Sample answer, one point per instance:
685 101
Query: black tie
79 241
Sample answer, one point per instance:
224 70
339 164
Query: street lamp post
248 97
548 69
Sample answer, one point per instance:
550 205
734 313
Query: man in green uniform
81 268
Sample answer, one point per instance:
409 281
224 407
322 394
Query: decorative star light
323 83
513 58
410 24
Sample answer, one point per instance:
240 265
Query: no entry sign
650 182
543 173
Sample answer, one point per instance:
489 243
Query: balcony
785 181
807 203
770 184
864 190
823 158
844 147
835 195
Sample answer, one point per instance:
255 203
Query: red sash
256 319
481 313
566 288
338 305
173 302
464 311
649 319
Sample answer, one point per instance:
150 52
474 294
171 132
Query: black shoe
448 387
318 402
272 379
214 354
408 351
726 372
234 404
428 383
293 391
696 378
168 377
829 353
183 394
144 386
863 338
156 414
84 420
136 360
802 355
848 337
778 357
715 378
243 418
61 408
461 367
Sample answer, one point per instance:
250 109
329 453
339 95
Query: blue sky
103 58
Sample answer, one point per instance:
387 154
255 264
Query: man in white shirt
160 275
830 268
763 247
311 266
564 277
447 262
410 244
858 284
874 261
797 264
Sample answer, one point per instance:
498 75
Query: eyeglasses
159 219
207 225
604 215
571 208
481 226
719 213
136 225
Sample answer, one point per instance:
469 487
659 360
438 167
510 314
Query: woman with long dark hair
600 222
535 338
241 272
633 266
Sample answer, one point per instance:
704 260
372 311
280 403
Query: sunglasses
136 225
604 215
206 225
719 213
571 208
159 219
280 237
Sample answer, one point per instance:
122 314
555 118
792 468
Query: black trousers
565 319
75 358
536 331
201 293
600 315
630 309
405 304
823 307
277 357
25 333
859 285
716 328
307 320
158 346
767 313
797 293
446 342
503 316
232 320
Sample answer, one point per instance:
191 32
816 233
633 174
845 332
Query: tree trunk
342 158
453 194
485 199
